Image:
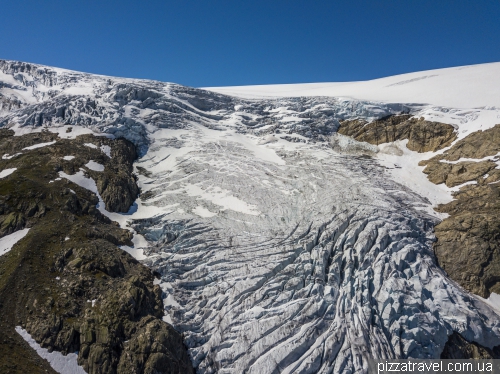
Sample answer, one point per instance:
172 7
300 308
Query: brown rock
422 135
456 174
468 242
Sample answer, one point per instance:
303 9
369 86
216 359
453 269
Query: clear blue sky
240 42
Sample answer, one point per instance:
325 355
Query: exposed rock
478 145
459 348
153 350
459 173
468 245
67 283
422 135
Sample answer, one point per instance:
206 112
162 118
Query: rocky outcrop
116 184
458 348
468 242
67 283
422 135
467 245
446 167
456 174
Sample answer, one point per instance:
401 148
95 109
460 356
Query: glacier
277 252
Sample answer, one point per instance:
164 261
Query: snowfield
458 87
276 252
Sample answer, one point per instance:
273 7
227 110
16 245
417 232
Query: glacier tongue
330 265
277 254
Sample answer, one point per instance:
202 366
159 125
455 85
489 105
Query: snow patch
402 165
6 172
62 364
203 212
8 241
39 145
68 158
7 157
92 165
106 149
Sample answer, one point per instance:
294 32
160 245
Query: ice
40 145
8 241
92 165
60 363
6 172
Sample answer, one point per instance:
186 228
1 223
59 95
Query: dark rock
82 294
458 348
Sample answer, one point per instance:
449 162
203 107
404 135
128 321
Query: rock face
422 135
481 149
456 174
468 241
67 283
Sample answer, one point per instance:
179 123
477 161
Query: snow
137 250
62 131
62 364
80 179
203 212
92 165
68 158
8 241
91 145
402 166
465 159
8 157
458 87
40 145
139 243
6 172
221 197
106 149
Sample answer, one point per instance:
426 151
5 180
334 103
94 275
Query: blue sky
219 43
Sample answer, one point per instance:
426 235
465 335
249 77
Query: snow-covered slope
459 87
277 252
